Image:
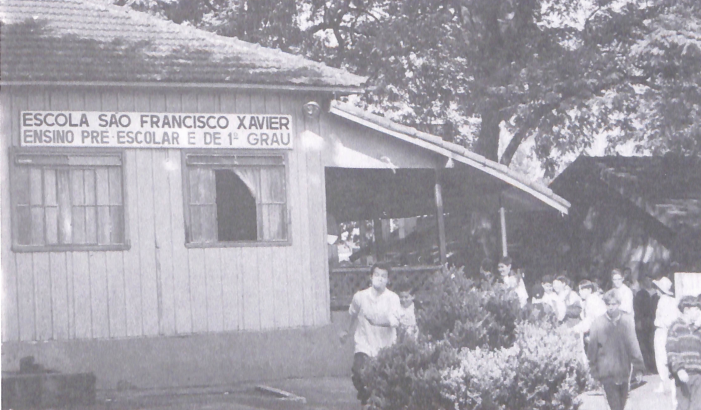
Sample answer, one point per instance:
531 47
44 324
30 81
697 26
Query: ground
320 394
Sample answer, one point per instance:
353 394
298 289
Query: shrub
542 371
456 311
508 358
409 375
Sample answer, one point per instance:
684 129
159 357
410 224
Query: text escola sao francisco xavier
154 130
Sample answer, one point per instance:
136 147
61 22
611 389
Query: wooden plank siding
10 308
158 286
294 267
146 230
317 228
280 289
230 259
265 264
163 230
59 295
298 162
181 272
250 290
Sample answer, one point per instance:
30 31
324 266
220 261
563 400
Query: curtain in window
271 208
250 177
266 185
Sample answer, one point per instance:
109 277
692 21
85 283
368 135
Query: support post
504 242
379 239
440 219
363 240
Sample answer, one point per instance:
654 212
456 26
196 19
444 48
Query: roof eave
331 89
473 160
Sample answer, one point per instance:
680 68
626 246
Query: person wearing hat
665 315
684 353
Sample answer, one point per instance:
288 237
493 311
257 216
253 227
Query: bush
508 358
542 371
409 375
456 311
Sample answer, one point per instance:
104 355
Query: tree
561 72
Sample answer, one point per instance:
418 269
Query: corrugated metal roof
93 41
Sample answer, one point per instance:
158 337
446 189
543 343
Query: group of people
612 343
615 333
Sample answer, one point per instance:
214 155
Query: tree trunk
487 143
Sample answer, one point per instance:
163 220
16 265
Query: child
549 295
513 280
405 314
571 301
540 308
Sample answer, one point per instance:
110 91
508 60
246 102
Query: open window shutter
263 175
272 222
20 197
116 206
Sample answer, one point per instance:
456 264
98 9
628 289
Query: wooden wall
159 287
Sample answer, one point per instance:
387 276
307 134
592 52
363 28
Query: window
67 201
237 199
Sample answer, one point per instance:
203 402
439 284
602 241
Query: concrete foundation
47 390
195 360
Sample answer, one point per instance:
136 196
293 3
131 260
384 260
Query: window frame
16 247
229 153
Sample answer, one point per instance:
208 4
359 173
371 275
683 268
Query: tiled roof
94 41
455 151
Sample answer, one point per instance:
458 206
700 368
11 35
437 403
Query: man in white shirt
374 314
625 294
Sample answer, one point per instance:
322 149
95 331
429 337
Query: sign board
154 130
687 283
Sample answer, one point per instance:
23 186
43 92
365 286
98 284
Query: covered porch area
419 204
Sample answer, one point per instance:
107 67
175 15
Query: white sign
154 130
687 283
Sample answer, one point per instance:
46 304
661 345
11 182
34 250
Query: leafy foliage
409 375
457 312
558 73
541 371
476 352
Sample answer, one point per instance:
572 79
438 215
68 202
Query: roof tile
79 40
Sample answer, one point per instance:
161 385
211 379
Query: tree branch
522 133
364 11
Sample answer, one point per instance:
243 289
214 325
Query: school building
165 197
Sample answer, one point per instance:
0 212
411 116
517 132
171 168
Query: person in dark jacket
644 306
613 349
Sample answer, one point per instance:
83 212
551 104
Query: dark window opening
235 198
236 208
